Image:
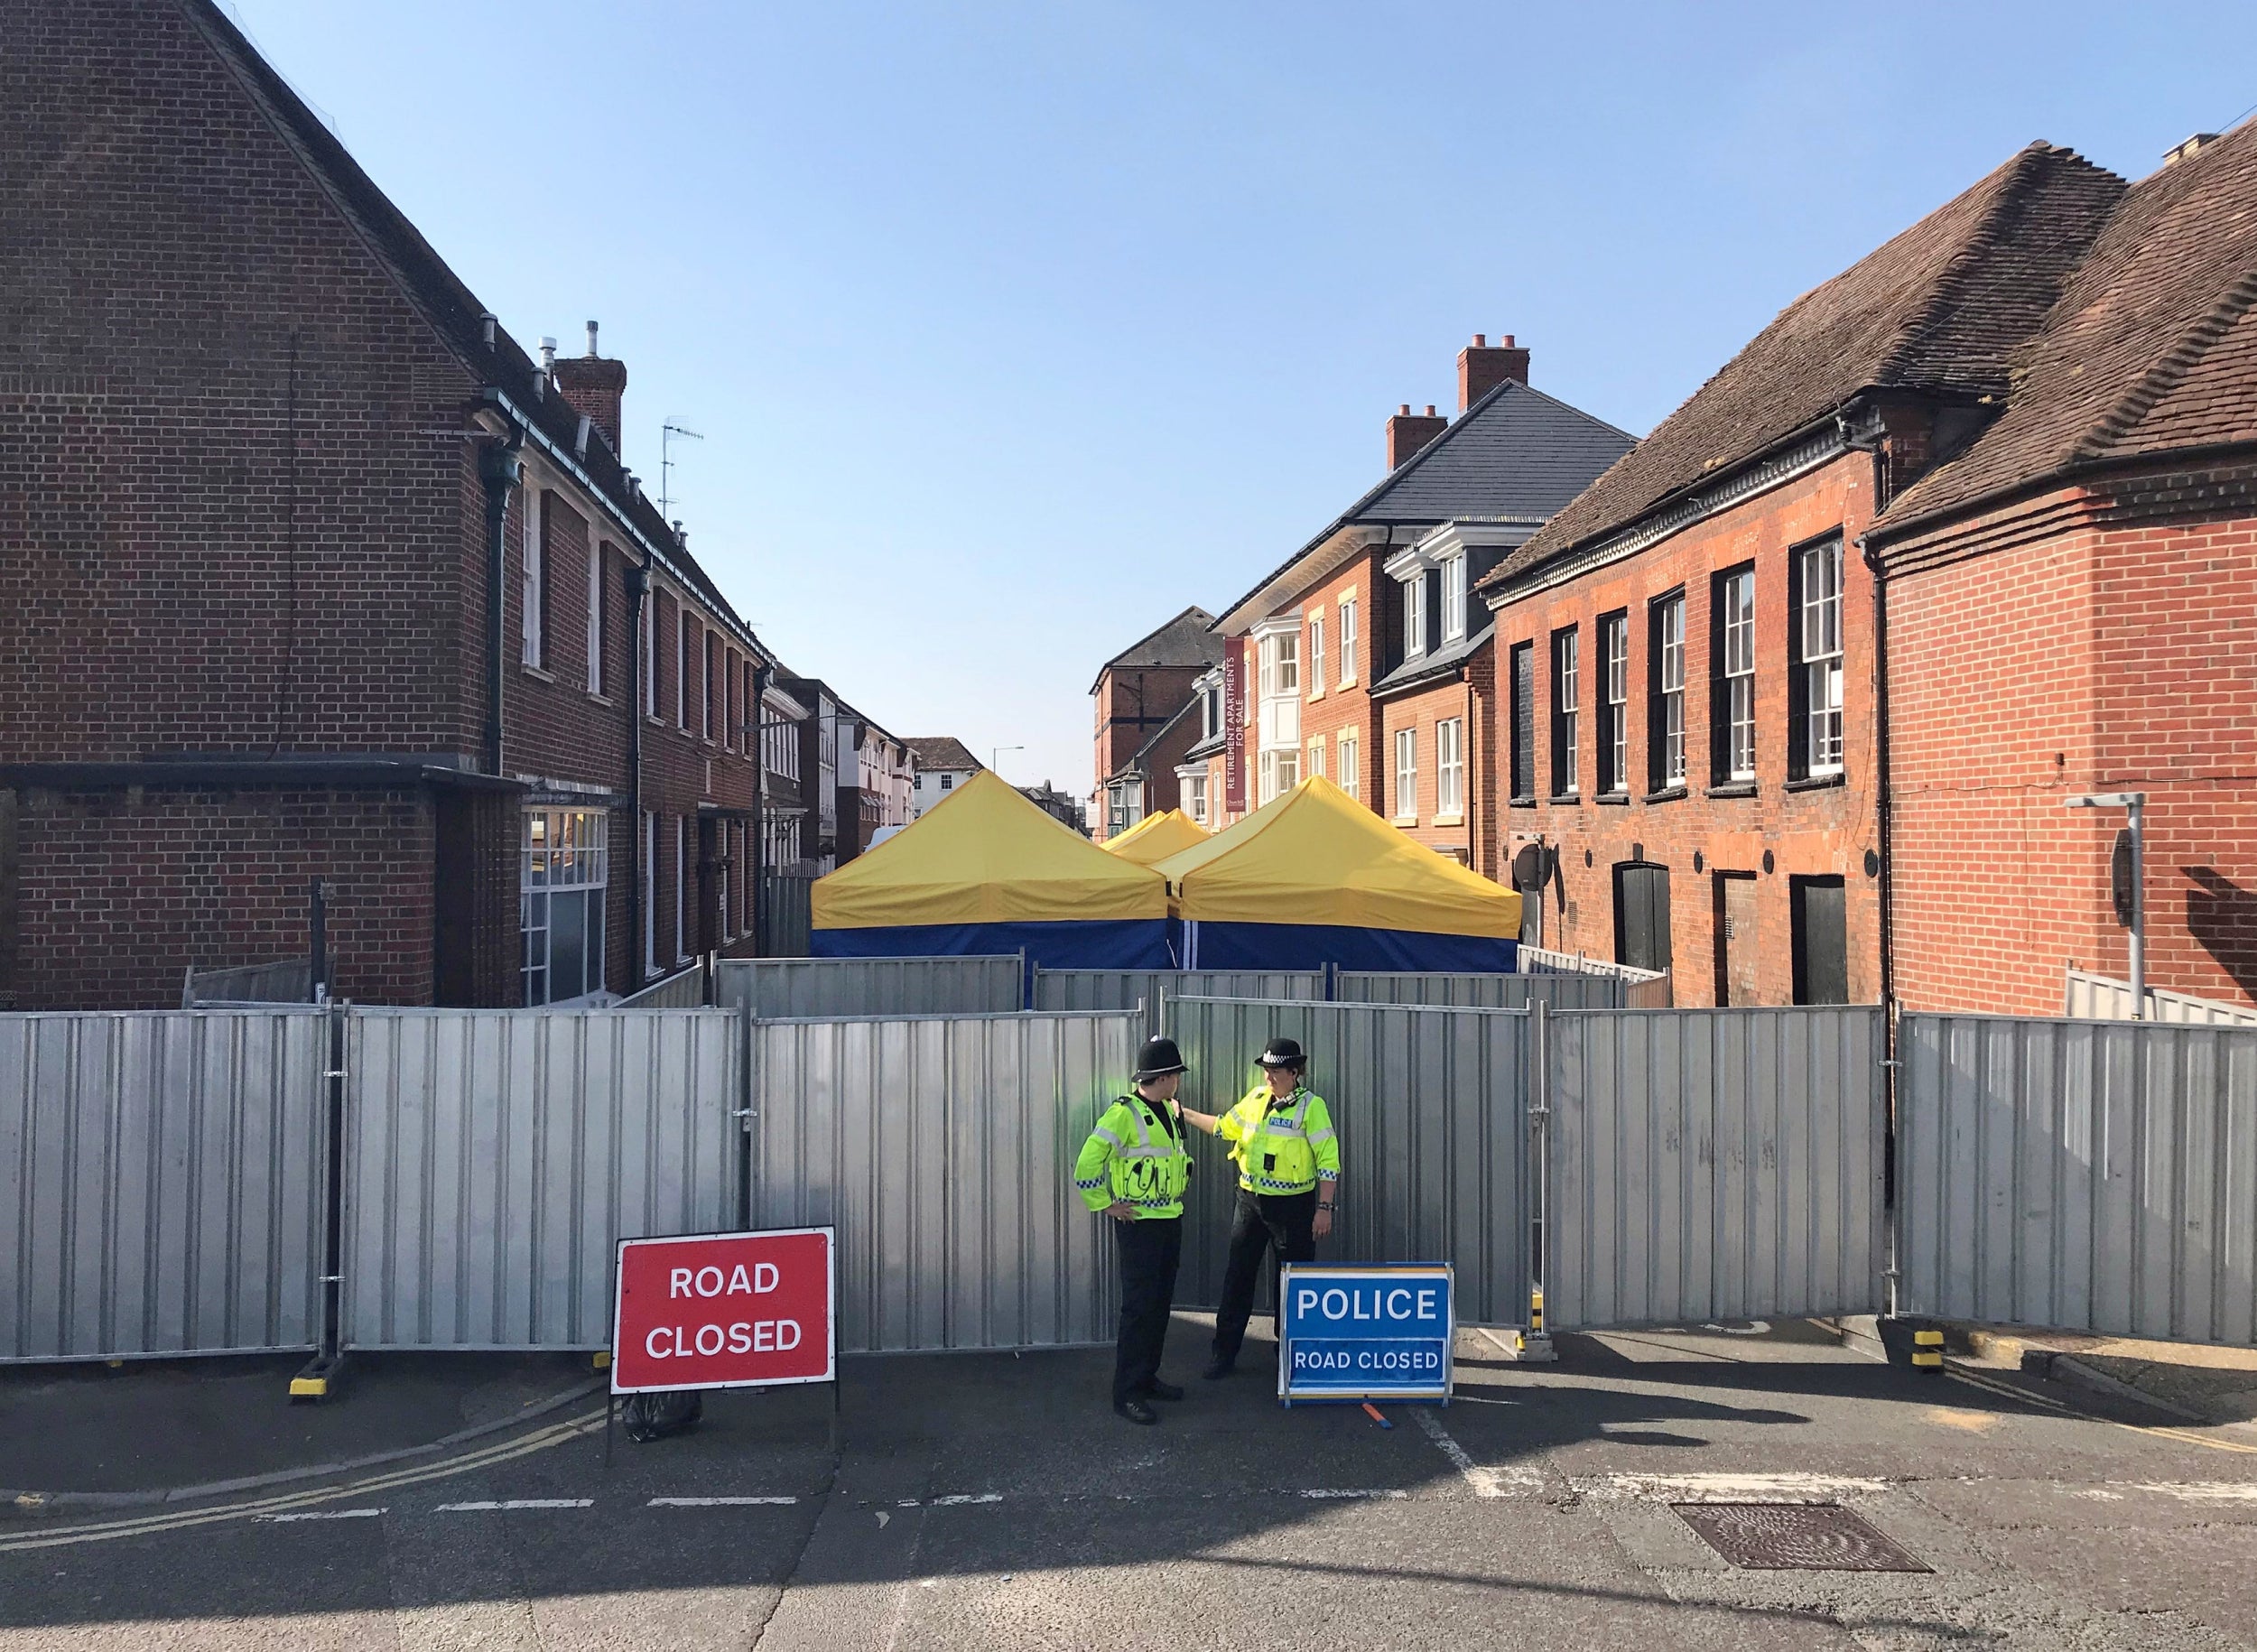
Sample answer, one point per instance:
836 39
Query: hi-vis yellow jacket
1133 1158
1284 1145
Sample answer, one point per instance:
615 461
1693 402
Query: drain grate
1793 1538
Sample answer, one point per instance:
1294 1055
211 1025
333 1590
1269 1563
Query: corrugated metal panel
1442 989
813 988
944 1150
2096 998
1714 1165
1432 1109
1124 989
1644 988
685 990
161 1183
494 1156
2088 1175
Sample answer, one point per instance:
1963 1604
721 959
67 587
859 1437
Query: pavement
994 1500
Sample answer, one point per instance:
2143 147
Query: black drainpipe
498 468
763 676
637 593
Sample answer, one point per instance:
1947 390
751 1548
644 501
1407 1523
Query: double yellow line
2184 1436
109 1531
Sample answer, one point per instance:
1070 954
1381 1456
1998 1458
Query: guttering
564 460
161 773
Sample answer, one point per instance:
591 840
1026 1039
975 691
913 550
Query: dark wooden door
1821 950
1641 916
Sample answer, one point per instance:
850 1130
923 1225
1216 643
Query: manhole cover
1793 1538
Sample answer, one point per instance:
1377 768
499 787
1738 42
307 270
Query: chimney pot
548 353
1430 410
593 387
1403 412
1408 432
486 325
592 351
1483 366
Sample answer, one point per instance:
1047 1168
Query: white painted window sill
1404 819
1447 819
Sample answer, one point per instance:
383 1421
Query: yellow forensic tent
987 871
1317 876
1157 836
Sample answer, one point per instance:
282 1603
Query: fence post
320 1378
1535 1343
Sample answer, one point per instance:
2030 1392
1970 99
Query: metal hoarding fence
1708 1164
1431 1105
289 981
684 990
162 1183
494 1157
1124 989
2100 997
818 989
943 1151
1643 988
1444 990
2080 1176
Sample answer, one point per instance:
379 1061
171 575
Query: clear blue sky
1014 329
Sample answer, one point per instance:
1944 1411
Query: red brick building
1690 651
2071 608
315 572
1147 720
1365 656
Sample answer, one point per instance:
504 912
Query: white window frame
650 652
1316 655
1566 710
1415 616
1450 767
1193 785
1406 773
1347 641
1351 745
682 666
595 615
1452 597
1315 767
1280 666
565 854
1280 772
1819 628
1670 665
529 555
1614 646
1736 604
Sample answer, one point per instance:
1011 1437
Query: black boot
1156 1389
1136 1410
1219 1367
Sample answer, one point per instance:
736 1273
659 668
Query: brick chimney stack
1408 432
594 386
1483 366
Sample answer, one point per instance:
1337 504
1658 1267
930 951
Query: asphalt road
995 1501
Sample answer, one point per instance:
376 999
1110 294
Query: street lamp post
2134 805
995 757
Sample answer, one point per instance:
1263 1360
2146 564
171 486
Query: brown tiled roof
940 751
1941 309
2151 348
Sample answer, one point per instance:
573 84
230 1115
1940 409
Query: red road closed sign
724 1311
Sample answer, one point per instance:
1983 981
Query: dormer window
1415 616
1454 598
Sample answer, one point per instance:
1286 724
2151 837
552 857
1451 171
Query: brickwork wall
130 889
1469 833
1340 708
1823 831
2101 641
1130 707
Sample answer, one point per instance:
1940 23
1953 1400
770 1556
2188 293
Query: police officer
1133 1168
1288 1159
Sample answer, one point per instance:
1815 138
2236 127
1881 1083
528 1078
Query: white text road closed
1377 1331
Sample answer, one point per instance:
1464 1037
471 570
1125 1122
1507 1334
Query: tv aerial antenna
673 428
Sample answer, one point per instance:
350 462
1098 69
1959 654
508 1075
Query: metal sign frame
1289 1394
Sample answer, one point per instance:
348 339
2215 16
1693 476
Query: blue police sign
1380 1330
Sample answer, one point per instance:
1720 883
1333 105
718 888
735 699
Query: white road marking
2198 1491
957 1498
519 1502
1388 1493
1728 1488
326 1514
1486 1482
720 1502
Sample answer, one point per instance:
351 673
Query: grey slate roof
1188 639
1515 455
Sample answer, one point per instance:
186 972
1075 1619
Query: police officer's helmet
1157 1059
1283 1052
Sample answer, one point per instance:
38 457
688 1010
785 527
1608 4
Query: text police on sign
724 1311
1350 1333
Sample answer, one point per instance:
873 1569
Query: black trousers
1150 1251
1261 1223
